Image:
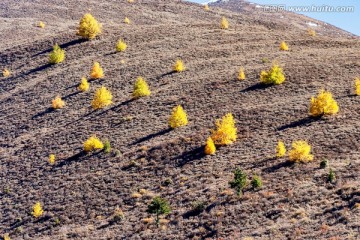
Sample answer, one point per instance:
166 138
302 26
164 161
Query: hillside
80 192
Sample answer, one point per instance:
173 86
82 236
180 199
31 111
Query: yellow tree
179 66
284 46
178 117
57 55
210 148
121 46
357 86
84 85
102 98
323 104
97 71
224 24
300 152
280 149
241 75
141 88
225 132
92 144
37 210
89 27
57 103
274 76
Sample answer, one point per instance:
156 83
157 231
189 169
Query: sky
349 21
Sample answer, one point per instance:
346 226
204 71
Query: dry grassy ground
82 191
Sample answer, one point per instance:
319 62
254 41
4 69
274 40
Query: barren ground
82 191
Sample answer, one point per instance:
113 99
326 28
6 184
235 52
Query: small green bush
331 176
239 182
256 182
159 207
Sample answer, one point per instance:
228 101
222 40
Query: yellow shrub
52 159
179 66
241 75
6 73
311 32
357 86
274 76
224 23
141 88
121 46
130 1
206 7
127 20
6 236
89 28
284 46
210 148
280 149
93 144
226 132
57 103
178 117
96 71
323 104
57 55
37 210
300 152
84 85
41 25
102 98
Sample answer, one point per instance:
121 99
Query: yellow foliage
52 159
179 66
311 32
121 46
210 148
93 144
300 152
6 236
274 76
280 149
241 75
357 86
178 117
57 55
226 132
323 104
6 73
89 28
37 210
141 88
84 85
284 46
96 71
130 1
41 24
206 7
57 103
102 98
127 20
224 23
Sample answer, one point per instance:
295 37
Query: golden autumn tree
210 148
224 24
97 72
225 132
300 152
57 55
179 66
102 98
323 104
241 75
37 210
284 46
57 103
274 76
92 144
280 149
84 85
141 88
178 117
89 27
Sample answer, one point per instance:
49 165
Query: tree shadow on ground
70 95
38 69
116 106
166 74
63 46
153 135
298 123
190 156
77 158
278 166
40 114
257 86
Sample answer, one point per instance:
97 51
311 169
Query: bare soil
80 192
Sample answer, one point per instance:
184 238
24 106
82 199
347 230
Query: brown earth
81 192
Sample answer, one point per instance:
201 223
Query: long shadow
64 45
116 106
190 156
257 86
192 213
41 68
110 53
48 110
70 95
150 136
298 123
166 74
74 158
278 166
